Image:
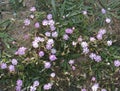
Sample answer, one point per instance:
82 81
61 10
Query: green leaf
53 6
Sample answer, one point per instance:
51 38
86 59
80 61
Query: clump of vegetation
71 48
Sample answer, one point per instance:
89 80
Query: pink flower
80 39
32 9
103 11
47 34
51 22
41 53
117 63
85 50
37 25
13 42
3 65
38 39
14 62
36 83
45 22
52 27
19 82
83 89
11 68
19 85
93 79
65 37
54 34
26 36
98 58
41 40
47 86
21 51
48 46
47 65
71 62
102 31
18 88
73 67
92 39
52 57
27 22
92 56
69 31
49 16
99 36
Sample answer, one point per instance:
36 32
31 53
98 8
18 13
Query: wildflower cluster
55 56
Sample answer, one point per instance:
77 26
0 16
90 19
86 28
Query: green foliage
16 4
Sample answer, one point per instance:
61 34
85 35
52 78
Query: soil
17 32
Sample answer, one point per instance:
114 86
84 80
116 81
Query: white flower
92 55
41 39
71 62
108 8
108 20
35 44
92 39
103 90
53 51
99 36
50 41
109 42
51 22
52 75
85 50
32 9
102 31
80 39
74 43
32 88
84 12
31 16
95 87
84 44
27 22
37 39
